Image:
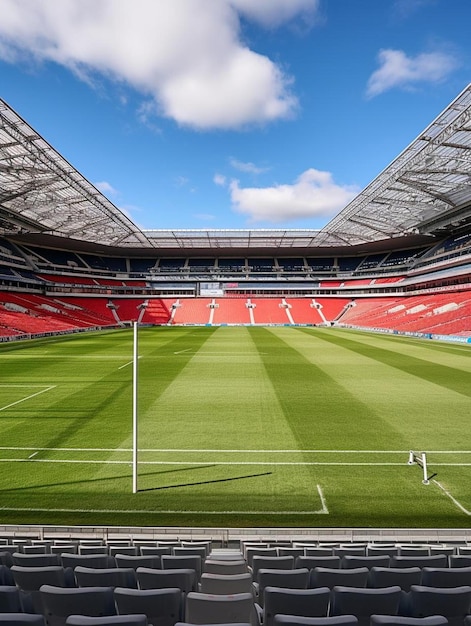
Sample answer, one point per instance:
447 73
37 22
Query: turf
238 426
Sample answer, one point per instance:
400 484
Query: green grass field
243 426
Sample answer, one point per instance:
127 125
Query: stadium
288 383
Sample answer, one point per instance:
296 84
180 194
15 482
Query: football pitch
238 427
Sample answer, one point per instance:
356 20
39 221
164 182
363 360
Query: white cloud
247 167
313 194
186 56
219 179
106 188
274 12
398 70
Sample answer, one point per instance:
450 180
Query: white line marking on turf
200 463
182 351
33 455
454 500
237 451
322 511
7 406
128 363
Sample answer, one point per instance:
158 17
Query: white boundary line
198 463
240 450
454 500
3 408
323 511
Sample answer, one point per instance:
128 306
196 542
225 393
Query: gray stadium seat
21 619
108 620
301 602
349 561
203 608
59 603
212 566
162 607
10 600
332 562
330 577
445 576
453 603
389 576
365 602
396 620
183 579
107 577
280 578
296 620
226 584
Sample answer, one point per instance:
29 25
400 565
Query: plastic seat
124 550
390 576
294 552
351 562
162 607
108 577
92 549
21 619
250 552
438 560
382 551
271 562
227 568
191 561
203 608
100 561
125 560
365 602
445 576
452 603
30 579
6 577
300 602
414 551
330 577
35 560
396 620
183 579
10 600
107 620
341 552
59 602
332 562
220 584
284 579
201 551
296 620
319 551
154 550
456 560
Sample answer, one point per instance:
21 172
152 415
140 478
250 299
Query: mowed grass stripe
425 415
321 411
455 378
215 380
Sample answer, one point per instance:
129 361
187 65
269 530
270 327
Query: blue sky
232 113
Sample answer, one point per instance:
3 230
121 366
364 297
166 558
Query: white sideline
199 463
7 406
323 511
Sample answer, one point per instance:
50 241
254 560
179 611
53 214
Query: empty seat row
166 607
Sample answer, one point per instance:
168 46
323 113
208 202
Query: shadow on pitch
66 483
206 482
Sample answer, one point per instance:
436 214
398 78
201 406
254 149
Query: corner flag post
134 409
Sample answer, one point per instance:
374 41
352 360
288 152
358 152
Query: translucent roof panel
425 189
427 184
41 192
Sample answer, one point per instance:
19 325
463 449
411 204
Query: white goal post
419 458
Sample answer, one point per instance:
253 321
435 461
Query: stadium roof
425 190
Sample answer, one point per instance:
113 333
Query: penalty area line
33 395
322 511
453 499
